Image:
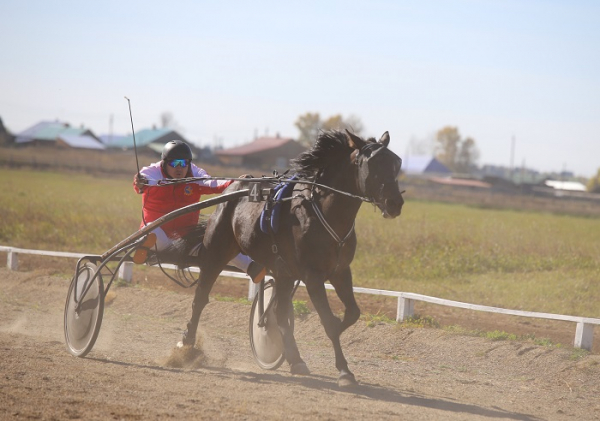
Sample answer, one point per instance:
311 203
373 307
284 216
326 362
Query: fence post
12 260
584 336
252 290
126 271
406 309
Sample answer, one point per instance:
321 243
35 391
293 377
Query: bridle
362 159
363 155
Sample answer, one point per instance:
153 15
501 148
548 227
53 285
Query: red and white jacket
158 200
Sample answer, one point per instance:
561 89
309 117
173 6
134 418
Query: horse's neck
335 206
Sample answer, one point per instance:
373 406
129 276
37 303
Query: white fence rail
584 332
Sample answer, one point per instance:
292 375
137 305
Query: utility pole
512 157
110 129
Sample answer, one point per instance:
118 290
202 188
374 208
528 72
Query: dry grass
514 259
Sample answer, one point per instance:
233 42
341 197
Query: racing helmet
176 149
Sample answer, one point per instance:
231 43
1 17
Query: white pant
241 261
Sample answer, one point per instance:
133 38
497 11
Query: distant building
565 185
147 138
79 142
48 133
519 175
268 153
5 136
460 182
109 139
424 165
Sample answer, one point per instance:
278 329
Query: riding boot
256 272
141 254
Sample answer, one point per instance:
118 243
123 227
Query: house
565 185
109 139
48 132
79 141
5 136
268 153
151 140
424 165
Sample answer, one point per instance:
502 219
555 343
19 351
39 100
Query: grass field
521 260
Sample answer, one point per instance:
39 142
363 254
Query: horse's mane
329 147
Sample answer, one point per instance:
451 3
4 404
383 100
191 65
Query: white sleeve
152 173
199 172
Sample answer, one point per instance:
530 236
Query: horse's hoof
347 380
180 344
299 369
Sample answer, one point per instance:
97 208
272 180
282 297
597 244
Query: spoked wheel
84 310
266 341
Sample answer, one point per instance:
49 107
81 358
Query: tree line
459 154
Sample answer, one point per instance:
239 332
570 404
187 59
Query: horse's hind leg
333 326
283 311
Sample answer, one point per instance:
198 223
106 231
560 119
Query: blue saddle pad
269 217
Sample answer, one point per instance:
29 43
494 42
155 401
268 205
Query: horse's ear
354 141
385 139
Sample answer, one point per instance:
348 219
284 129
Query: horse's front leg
315 286
342 282
208 277
285 313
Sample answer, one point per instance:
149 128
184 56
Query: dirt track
421 374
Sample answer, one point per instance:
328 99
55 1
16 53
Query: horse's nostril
393 207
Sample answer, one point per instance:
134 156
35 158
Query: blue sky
230 69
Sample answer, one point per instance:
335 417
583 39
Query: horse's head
378 169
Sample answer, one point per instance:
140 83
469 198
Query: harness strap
328 227
280 264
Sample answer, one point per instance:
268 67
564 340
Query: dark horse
310 247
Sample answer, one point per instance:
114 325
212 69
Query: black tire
266 342
82 326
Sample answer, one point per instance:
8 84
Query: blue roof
31 133
77 141
109 139
142 138
419 164
51 133
48 131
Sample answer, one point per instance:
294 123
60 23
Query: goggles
178 163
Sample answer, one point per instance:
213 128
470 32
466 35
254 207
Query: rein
273 180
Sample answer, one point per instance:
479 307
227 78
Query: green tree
309 125
458 154
593 185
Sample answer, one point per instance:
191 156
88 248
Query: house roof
51 133
419 164
109 139
258 145
32 132
143 138
77 141
462 182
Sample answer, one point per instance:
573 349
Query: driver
176 163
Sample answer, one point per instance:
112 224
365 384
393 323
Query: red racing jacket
158 200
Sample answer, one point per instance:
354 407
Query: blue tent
420 164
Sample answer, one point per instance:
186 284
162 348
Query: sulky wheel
84 310
266 341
